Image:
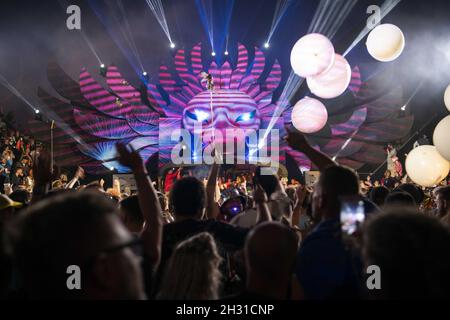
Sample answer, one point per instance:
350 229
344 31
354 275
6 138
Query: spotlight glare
111 168
183 147
102 65
226 52
213 54
172 45
36 111
403 108
144 73
266 45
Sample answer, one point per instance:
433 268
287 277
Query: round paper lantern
309 115
311 55
425 166
333 82
447 97
385 42
441 137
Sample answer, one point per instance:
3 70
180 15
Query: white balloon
312 55
447 97
309 115
333 82
425 166
385 42
441 137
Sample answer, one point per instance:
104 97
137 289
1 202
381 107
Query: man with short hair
81 229
84 229
269 253
188 200
326 268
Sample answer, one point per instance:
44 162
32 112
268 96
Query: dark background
33 32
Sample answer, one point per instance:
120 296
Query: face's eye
198 115
246 116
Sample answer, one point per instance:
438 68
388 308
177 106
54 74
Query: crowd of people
254 237
16 160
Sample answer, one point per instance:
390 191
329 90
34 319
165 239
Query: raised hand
259 195
79 174
296 139
129 157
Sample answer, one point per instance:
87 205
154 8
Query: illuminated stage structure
91 119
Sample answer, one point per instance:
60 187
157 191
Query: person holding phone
325 267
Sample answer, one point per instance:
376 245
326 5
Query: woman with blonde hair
192 272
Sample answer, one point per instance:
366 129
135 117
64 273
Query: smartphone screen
352 215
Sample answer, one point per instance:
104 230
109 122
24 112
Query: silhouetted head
270 251
77 230
411 250
187 198
334 183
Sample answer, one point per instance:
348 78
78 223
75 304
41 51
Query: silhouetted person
378 195
442 199
270 252
411 250
400 199
187 200
131 214
81 229
326 268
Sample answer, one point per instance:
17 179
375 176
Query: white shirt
279 205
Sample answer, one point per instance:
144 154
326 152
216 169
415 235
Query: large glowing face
230 109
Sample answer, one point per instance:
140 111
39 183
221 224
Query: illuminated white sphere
385 42
309 115
441 137
425 166
333 82
447 97
311 55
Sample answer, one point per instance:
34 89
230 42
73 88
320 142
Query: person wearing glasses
83 229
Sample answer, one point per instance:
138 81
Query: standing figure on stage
206 77
391 153
171 176
397 167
